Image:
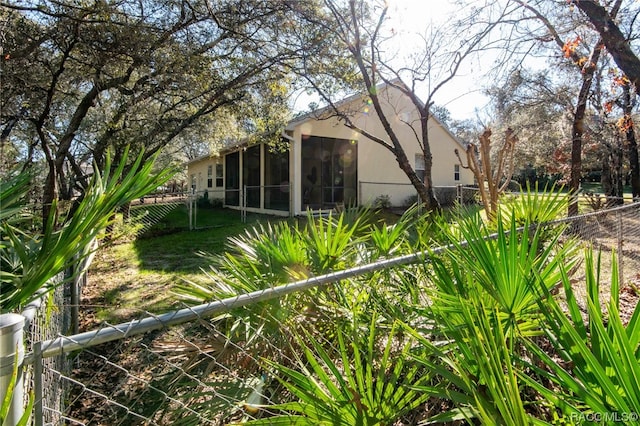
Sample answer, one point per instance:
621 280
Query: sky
460 96
410 18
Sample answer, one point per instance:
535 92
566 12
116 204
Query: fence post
194 211
243 205
620 248
292 208
190 211
11 339
38 414
75 293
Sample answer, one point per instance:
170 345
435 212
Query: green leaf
44 256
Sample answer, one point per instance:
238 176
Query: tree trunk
612 180
126 211
619 176
429 196
49 193
605 179
634 164
632 145
424 194
577 129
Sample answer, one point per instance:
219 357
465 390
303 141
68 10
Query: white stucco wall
199 169
378 169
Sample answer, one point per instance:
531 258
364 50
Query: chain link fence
213 364
204 208
150 212
46 318
54 313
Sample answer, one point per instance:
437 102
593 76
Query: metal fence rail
205 364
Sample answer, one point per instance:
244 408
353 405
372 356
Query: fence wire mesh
45 319
191 375
221 369
149 212
404 194
609 231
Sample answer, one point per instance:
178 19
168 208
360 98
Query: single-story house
328 164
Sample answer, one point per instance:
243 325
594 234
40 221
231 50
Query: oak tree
80 78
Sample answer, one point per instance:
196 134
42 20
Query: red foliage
569 48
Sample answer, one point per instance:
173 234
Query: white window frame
219 175
210 176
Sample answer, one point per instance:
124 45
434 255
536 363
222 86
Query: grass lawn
129 278
132 277
170 247
596 187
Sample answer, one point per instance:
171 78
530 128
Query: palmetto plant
266 254
534 206
29 260
483 303
273 254
600 370
368 379
385 239
505 265
12 193
331 242
458 328
474 362
276 253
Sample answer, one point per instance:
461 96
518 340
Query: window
209 176
219 175
419 166
456 172
193 183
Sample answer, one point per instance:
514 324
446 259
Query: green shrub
382 202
